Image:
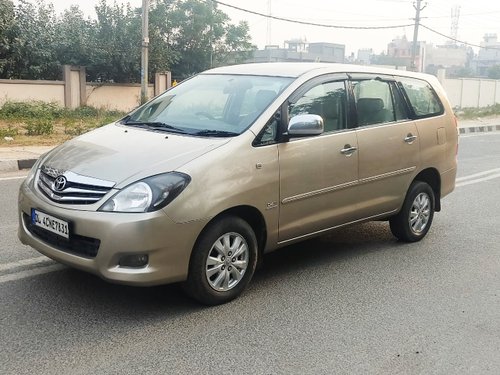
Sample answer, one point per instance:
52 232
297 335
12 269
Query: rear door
388 144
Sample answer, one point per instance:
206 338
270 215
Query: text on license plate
50 223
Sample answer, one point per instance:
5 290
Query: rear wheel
414 220
223 261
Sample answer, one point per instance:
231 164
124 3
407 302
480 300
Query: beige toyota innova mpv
197 184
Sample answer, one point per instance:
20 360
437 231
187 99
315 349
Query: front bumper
107 237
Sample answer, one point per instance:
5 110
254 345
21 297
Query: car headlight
149 194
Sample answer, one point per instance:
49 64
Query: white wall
462 92
472 92
121 97
24 90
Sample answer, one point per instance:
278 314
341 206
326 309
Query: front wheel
414 220
223 261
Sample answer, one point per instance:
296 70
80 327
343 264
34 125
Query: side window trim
397 93
409 108
306 86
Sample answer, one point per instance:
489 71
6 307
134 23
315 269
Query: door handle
348 150
410 138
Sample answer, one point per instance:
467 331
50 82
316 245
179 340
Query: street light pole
144 51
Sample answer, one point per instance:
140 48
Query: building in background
364 56
452 57
301 50
488 56
400 50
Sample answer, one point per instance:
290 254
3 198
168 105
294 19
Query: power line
349 27
457 40
310 23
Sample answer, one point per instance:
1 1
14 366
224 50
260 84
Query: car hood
124 154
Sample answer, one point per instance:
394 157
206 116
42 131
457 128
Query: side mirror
302 125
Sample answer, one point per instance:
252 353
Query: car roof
296 69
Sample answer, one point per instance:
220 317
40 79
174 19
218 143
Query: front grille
67 187
78 245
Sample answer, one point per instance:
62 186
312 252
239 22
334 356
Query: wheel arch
432 177
252 216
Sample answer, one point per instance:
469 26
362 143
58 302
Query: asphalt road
355 301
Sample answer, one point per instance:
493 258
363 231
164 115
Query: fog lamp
134 260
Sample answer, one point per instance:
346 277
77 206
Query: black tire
400 223
199 285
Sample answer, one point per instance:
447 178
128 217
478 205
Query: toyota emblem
60 183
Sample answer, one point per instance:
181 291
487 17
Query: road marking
23 263
30 273
12 178
477 180
469 135
477 174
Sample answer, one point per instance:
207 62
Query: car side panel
318 184
387 165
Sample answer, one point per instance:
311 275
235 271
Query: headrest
331 107
370 104
263 98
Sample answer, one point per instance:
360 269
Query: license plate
50 223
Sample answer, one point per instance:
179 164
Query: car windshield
210 105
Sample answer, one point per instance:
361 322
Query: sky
476 18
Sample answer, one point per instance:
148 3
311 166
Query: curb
16 165
479 129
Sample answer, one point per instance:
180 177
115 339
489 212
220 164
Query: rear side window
422 97
374 104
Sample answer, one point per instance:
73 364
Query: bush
47 119
76 129
42 126
9 132
84 112
470 113
31 110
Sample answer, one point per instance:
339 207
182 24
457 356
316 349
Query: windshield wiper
215 133
155 126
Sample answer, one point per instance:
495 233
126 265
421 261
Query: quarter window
422 97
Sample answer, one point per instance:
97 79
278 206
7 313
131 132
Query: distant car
195 185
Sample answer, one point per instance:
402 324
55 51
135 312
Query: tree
186 37
236 45
161 55
75 41
464 72
33 52
201 36
7 36
116 43
494 72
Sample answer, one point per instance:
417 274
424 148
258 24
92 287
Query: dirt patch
15 134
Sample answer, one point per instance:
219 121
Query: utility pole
268 33
144 51
418 8
455 16
210 4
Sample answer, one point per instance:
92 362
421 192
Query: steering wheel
205 114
